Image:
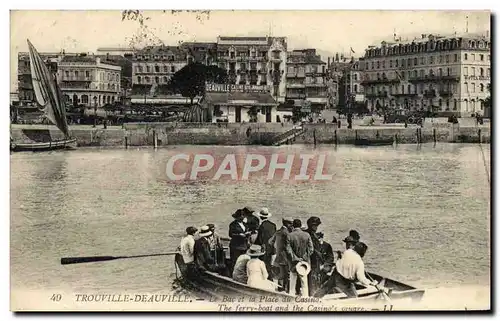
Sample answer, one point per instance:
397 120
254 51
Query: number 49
56 297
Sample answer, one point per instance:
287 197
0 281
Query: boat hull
215 285
40 147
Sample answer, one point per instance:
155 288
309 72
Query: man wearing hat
187 250
202 255
252 223
350 241
265 232
314 278
238 233
299 248
278 243
216 247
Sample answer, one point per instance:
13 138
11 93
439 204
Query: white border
185 4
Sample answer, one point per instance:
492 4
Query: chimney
328 62
337 57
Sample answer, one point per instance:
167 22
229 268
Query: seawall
164 134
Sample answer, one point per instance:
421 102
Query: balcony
275 58
380 94
431 93
296 85
75 78
380 81
315 73
477 78
295 95
315 84
433 78
445 93
317 100
404 94
241 71
71 85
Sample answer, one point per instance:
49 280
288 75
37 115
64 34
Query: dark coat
316 257
299 245
237 242
327 254
278 242
252 223
265 232
202 255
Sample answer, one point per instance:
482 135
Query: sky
327 30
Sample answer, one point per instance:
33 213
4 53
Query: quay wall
145 134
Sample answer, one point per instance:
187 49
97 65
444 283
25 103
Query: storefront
240 103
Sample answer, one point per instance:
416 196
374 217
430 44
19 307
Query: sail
47 92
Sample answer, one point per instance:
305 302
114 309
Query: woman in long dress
256 270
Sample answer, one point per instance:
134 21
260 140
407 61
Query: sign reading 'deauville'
224 88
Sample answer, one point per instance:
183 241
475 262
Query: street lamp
95 111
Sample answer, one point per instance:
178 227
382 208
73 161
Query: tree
190 80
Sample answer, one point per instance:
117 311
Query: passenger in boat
265 232
299 247
238 233
349 269
252 223
216 247
187 250
327 259
240 269
314 277
256 270
280 270
203 258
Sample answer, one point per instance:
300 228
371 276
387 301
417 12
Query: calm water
424 212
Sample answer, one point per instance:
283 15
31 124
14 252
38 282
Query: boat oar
88 259
380 290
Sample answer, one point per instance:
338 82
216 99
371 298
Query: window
147 80
139 79
481 87
431 60
454 104
373 65
447 58
355 88
440 59
481 57
409 89
473 87
157 79
466 85
473 57
172 68
440 72
473 71
87 74
455 58
378 64
422 60
465 56
415 61
66 73
422 73
481 72
397 62
383 64
85 99
148 69
157 68
355 77
76 73
448 71
390 63
489 72
466 71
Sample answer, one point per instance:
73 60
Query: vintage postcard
250 161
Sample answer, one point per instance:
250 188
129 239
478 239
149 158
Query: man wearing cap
278 243
265 232
299 248
238 233
187 250
327 258
216 247
314 278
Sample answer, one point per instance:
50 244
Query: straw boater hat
264 213
303 268
255 250
205 231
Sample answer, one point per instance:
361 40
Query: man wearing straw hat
265 232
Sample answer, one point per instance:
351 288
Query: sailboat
48 95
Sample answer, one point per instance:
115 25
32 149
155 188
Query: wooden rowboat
44 146
215 285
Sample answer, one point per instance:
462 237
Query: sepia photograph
250 160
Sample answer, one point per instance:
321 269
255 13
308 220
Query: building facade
448 75
85 80
306 78
255 61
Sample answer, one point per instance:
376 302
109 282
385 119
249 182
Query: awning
239 99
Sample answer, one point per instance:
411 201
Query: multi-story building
448 75
25 85
154 66
202 52
255 61
85 80
338 84
306 78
